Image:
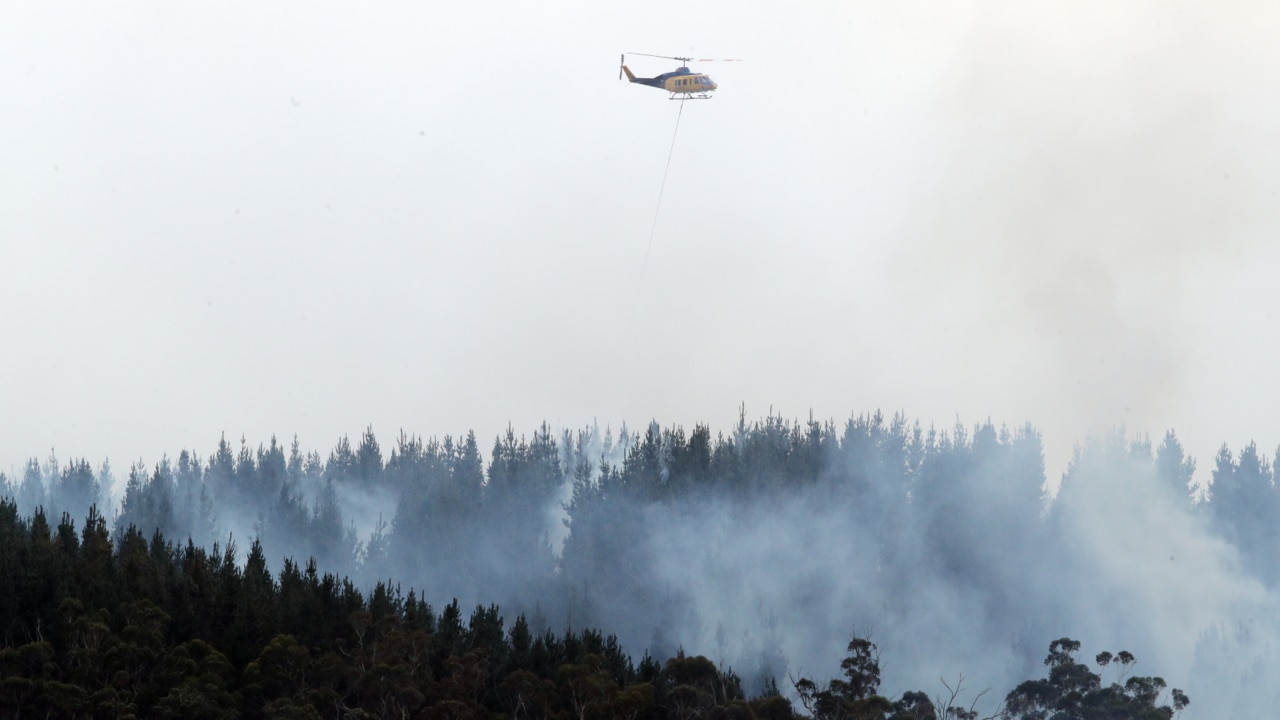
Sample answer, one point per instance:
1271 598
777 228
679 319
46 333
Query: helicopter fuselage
681 82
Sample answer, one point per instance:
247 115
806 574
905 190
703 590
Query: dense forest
745 558
142 628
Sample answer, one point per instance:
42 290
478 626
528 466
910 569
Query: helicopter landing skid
690 96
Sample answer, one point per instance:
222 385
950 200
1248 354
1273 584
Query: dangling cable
663 187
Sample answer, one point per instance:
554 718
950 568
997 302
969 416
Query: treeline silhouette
889 521
438 497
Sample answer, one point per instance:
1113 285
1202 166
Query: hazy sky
310 217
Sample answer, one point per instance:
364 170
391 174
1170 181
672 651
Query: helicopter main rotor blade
665 57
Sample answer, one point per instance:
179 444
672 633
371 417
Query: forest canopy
750 548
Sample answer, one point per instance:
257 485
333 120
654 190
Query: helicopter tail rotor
622 68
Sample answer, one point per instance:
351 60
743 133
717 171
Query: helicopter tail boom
630 75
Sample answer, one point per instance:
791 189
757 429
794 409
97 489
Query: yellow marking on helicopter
682 82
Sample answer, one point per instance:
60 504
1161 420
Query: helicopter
682 83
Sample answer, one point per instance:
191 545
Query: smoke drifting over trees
762 547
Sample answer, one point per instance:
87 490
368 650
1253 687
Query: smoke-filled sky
312 217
